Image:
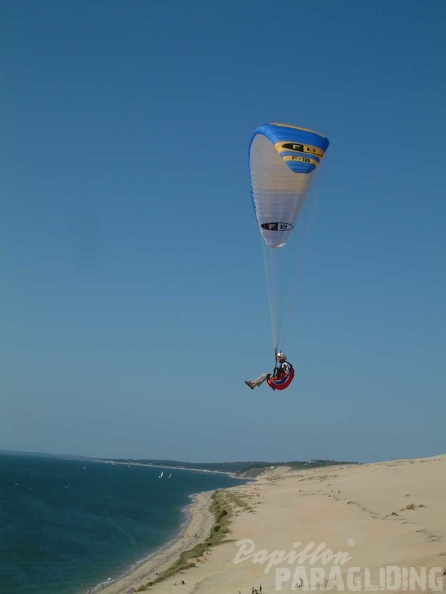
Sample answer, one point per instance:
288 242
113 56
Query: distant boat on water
169 476
161 475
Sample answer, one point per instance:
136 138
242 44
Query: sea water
67 524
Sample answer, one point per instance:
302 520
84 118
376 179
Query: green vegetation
222 505
241 469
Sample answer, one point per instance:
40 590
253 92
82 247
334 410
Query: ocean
68 524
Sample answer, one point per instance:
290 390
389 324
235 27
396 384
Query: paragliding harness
280 380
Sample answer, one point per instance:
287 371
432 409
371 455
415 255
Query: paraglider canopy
283 164
283 161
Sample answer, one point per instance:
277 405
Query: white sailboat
161 475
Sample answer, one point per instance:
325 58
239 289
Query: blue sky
133 301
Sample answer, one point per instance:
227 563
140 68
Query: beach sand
200 521
371 517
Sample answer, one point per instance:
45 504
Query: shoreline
194 530
372 516
183 468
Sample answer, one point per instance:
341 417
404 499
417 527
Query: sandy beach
199 524
376 526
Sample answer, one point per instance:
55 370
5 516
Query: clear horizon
180 461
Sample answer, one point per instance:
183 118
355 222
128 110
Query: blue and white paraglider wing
283 161
283 164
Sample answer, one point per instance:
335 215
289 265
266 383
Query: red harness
282 381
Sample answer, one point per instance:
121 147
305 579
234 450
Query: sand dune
387 520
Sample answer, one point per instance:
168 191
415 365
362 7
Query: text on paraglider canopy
300 148
277 226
